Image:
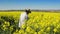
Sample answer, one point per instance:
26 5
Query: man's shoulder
24 13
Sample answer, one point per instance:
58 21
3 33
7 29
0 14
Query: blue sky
29 4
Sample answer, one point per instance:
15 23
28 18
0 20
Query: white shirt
23 17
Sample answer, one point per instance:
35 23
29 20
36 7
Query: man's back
22 18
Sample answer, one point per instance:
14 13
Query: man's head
28 11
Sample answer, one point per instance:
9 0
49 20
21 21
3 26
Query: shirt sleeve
26 17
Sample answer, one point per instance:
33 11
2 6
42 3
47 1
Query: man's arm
27 18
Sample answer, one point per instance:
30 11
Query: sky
29 4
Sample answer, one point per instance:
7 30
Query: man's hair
28 11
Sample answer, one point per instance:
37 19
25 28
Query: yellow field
38 23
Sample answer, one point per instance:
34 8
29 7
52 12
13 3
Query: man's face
30 11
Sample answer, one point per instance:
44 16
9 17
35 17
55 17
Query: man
23 17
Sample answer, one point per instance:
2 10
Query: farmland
38 23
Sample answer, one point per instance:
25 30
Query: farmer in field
23 17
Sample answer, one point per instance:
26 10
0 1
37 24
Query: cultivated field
38 23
